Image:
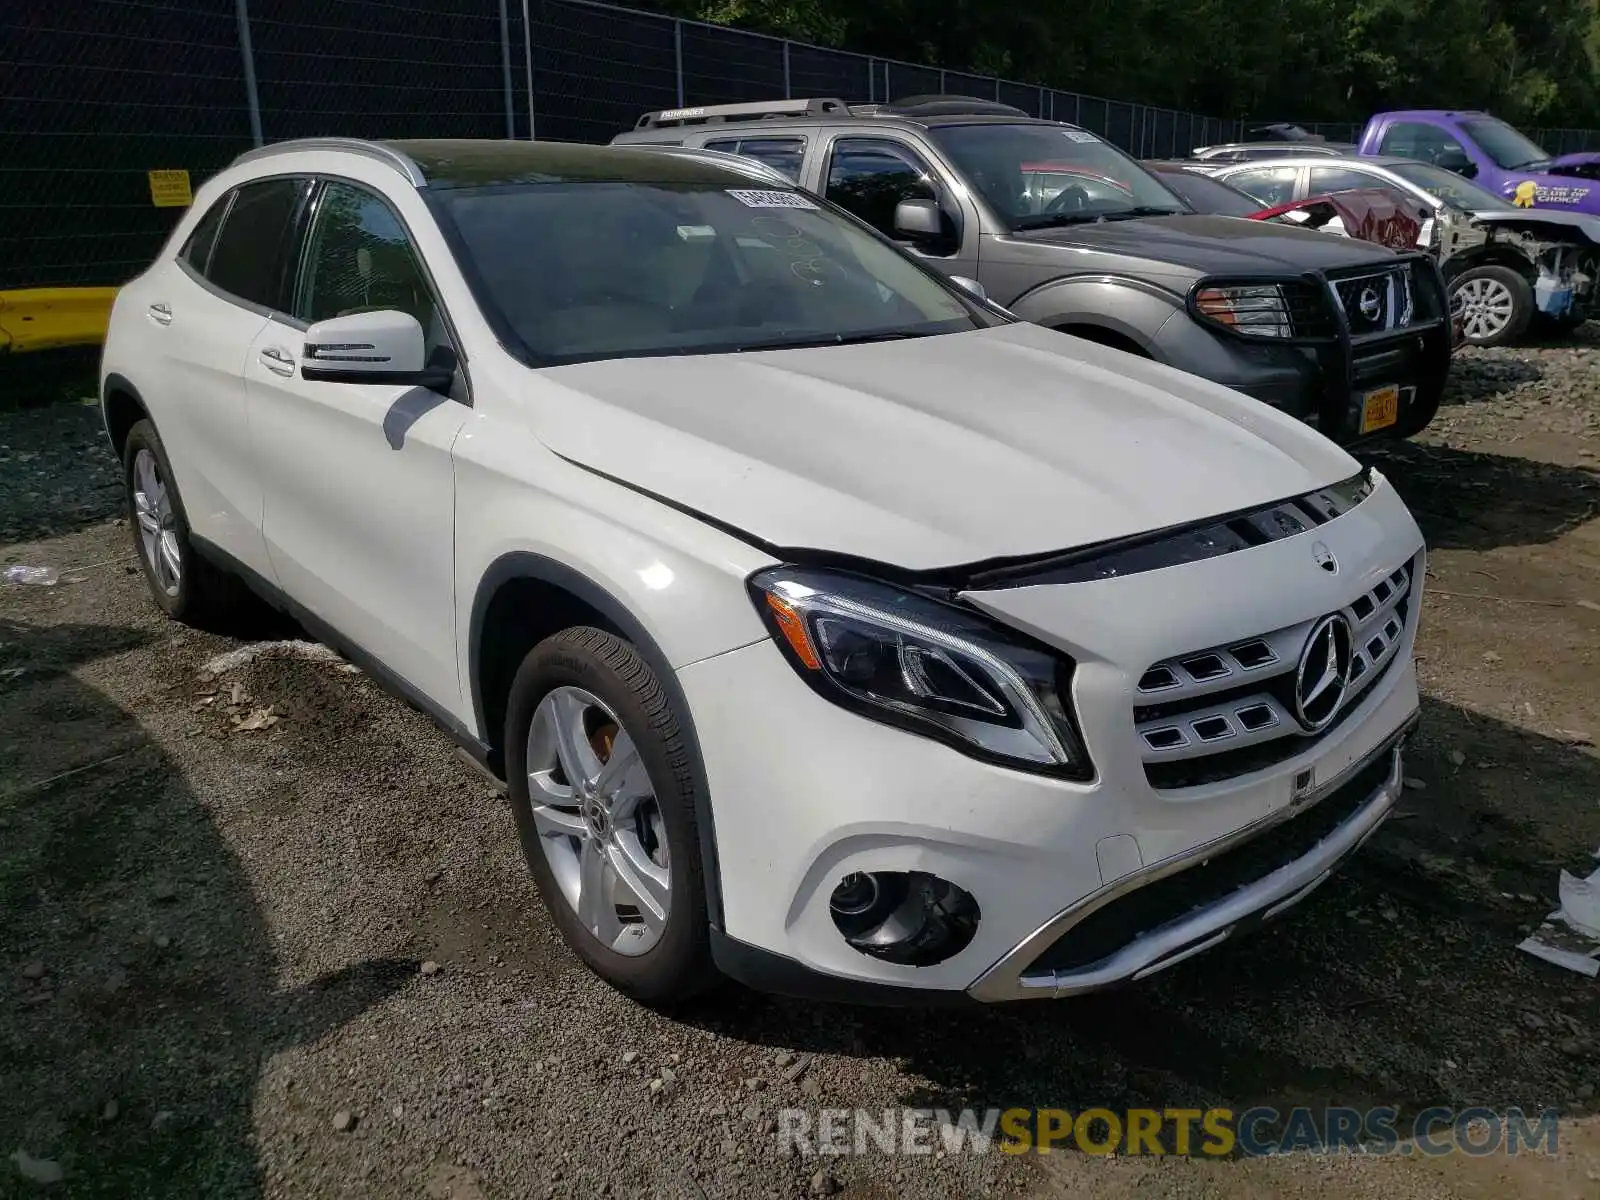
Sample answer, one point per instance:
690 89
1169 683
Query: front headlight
1258 311
929 667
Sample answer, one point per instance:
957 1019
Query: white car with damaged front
830 629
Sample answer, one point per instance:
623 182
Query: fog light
906 917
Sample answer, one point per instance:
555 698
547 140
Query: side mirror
971 286
918 220
1457 162
386 346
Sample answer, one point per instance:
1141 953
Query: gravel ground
305 958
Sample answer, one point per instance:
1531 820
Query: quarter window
197 250
359 259
781 154
251 253
871 176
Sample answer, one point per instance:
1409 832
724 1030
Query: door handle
279 362
160 314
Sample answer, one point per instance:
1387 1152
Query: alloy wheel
158 532
1486 308
598 820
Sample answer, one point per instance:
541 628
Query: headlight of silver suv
931 668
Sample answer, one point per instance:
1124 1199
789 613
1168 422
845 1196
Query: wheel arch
1492 255
1105 335
1107 309
121 408
524 598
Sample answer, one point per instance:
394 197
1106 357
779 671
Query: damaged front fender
1560 253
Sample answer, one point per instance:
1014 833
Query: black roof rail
949 106
761 110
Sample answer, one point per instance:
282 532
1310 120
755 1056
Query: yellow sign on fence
170 189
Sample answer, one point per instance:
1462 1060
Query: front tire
1497 305
600 783
183 584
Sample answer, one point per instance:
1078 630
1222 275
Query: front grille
1149 908
1309 314
1226 711
1376 301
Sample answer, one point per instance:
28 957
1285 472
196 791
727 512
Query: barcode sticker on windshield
756 198
1078 135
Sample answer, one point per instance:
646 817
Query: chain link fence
96 94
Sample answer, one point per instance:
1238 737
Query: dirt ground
214 937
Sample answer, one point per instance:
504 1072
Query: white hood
935 451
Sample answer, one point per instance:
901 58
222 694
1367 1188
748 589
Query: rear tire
617 856
1497 305
183 584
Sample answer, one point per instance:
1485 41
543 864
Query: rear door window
1270 185
1420 140
782 154
254 247
1325 180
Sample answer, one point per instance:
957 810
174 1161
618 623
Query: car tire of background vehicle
623 832
183 584
1495 289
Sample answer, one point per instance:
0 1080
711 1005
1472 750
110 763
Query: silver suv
1067 231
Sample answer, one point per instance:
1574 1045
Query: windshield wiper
1144 210
839 339
1049 220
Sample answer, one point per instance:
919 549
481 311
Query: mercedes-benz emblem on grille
1369 304
1323 557
1323 676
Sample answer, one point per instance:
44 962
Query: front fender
1131 308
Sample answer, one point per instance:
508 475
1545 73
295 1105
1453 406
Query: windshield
574 271
1206 195
1035 176
1448 187
1505 145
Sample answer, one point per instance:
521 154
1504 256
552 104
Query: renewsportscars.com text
1212 1133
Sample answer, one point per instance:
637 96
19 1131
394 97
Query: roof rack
387 155
717 114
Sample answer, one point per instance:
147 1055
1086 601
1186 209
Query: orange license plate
1380 408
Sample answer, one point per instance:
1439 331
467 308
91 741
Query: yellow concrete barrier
50 318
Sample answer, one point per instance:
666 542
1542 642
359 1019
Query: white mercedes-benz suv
831 629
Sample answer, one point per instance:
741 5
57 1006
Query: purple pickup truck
1490 153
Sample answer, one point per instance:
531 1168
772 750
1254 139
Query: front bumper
804 793
1322 379
1016 977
